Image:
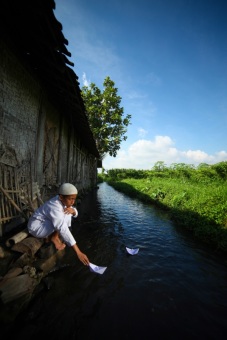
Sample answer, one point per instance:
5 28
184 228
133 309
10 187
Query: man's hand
81 256
69 211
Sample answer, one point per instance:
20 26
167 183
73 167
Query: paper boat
132 251
96 269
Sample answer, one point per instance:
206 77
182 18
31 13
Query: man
53 219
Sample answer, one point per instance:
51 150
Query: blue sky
168 59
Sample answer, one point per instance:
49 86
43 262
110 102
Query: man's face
68 200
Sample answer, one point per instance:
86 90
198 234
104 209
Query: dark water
172 289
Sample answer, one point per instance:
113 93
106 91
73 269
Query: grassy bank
196 200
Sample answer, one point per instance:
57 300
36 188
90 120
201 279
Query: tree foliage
203 173
105 116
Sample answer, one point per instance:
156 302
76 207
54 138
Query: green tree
221 169
105 116
203 166
159 166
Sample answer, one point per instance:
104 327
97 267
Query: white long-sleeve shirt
50 217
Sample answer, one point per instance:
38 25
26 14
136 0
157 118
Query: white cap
67 189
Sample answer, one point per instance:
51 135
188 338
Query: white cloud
86 82
142 133
197 156
143 154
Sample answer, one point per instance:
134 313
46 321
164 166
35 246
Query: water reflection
171 289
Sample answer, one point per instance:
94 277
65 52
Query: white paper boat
132 251
96 269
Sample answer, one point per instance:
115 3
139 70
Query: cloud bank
143 154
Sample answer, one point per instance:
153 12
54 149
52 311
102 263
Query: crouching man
53 219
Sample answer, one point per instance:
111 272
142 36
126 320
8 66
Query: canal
174 288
